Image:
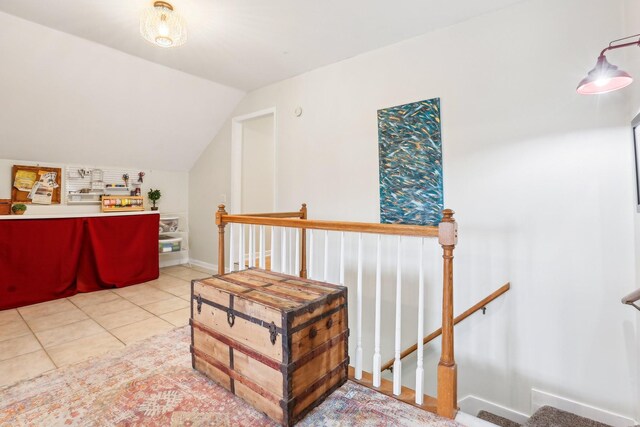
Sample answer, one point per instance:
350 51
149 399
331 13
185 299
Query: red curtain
45 259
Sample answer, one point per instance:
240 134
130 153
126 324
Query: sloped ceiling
78 85
250 43
72 101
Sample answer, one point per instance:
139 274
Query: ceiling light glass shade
604 78
162 26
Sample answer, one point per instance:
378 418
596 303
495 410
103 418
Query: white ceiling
250 43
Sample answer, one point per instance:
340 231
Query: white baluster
254 249
420 368
292 260
377 358
397 364
272 249
297 260
288 239
283 239
231 249
342 258
263 263
252 246
310 275
358 374
241 249
325 274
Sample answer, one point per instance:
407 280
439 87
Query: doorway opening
253 166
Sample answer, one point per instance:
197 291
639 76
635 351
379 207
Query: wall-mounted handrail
632 298
435 334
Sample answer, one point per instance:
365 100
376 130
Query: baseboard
541 398
473 404
214 267
471 421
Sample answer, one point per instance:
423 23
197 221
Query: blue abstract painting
410 156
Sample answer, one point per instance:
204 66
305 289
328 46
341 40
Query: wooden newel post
221 224
447 371
303 244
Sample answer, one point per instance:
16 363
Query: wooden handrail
435 334
219 214
303 243
297 214
356 227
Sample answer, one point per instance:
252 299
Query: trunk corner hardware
273 333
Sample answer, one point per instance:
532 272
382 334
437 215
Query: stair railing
295 225
480 305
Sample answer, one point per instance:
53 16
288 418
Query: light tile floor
43 337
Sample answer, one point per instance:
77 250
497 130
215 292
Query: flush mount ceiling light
606 77
162 26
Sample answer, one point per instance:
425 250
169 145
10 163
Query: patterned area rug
152 384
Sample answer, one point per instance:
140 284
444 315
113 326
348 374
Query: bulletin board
35 172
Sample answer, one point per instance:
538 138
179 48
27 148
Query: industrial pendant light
162 26
606 77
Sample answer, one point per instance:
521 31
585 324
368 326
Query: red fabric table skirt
46 259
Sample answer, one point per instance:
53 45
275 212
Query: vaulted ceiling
66 100
248 44
80 86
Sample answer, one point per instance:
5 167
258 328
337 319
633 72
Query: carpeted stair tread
497 420
548 416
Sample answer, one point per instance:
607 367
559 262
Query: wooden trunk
279 342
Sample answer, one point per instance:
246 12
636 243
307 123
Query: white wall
68 100
541 179
632 17
173 185
258 151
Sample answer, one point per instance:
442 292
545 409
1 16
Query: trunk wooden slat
279 342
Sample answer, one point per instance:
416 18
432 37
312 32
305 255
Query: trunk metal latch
231 317
273 333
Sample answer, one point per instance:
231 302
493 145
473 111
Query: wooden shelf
127 209
83 202
92 193
122 203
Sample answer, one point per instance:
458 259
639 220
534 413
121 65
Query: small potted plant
154 196
18 208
